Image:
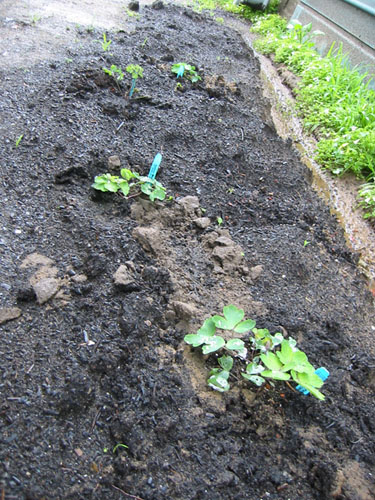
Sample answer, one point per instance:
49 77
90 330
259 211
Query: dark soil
91 359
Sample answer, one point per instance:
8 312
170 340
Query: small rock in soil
124 281
184 310
114 161
134 5
190 204
255 272
45 289
9 313
202 222
150 238
157 5
34 260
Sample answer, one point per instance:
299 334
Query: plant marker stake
323 373
132 87
181 70
155 166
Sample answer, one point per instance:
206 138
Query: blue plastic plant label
155 166
322 372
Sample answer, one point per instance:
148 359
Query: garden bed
98 292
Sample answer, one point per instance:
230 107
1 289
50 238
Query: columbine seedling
265 356
119 445
186 69
130 181
136 72
106 43
18 141
116 73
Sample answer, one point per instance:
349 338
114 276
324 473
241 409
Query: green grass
243 11
333 99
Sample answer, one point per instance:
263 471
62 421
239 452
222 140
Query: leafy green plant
189 71
263 357
219 220
130 181
333 98
115 72
135 70
105 43
366 197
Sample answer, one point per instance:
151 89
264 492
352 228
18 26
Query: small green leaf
235 344
208 327
226 362
232 316
255 379
196 339
245 326
286 353
146 188
127 174
219 381
253 368
276 375
271 361
213 344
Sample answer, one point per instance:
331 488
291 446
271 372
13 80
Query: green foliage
189 71
19 139
244 11
105 43
334 100
366 197
115 72
130 181
135 70
119 445
265 356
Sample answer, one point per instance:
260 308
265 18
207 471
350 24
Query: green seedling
35 18
305 243
135 70
144 42
262 355
219 220
130 181
178 87
18 141
68 60
132 13
105 43
189 71
115 72
119 445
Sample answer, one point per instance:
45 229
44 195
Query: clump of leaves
366 197
106 43
189 71
135 70
115 72
130 181
263 356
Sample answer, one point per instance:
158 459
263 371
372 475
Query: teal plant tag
155 166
